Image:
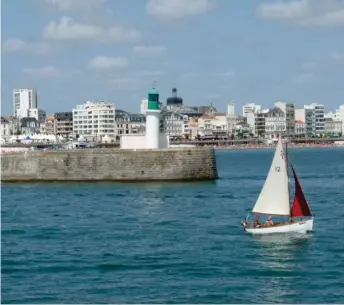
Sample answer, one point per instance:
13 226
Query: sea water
173 242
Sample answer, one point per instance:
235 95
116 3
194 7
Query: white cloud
68 29
304 77
176 9
75 5
337 56
47 71
310 13
108 63
283 10
147 51
18 45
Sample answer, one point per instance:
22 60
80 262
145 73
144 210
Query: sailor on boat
269 221
274 199
257 222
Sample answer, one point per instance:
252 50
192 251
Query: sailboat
274 200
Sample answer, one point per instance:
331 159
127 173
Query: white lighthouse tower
153 120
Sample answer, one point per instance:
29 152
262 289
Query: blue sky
212 50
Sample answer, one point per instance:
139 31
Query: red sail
300 206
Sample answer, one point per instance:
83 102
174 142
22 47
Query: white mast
274 197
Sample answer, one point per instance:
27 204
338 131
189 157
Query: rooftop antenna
154 84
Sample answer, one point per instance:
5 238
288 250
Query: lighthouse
153 120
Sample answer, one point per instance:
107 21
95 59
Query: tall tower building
23 99
231 122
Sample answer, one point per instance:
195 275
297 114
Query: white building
319 114
300 128
24 99
231 119
333 128
94 120
39 114
289 115
144 106
275 123
340 116
6 128
251 120
214 125
250 107
256 121
174 124
308 117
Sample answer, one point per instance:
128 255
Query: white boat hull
297 226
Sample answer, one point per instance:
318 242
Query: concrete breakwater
107 164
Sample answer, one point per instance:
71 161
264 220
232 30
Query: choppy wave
173 242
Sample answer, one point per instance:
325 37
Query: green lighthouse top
153 100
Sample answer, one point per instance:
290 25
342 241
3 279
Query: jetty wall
106 164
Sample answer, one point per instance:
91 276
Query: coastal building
63 124
206 110
48 127
256 121
94 120
333 128
275 123
250 108
213 125
251 120
6 129
241 119
308 117
243 130
174 101
128 123
11 125
137 123
29 126
191 112
176 124
319 114
340 116
193 128
173 123
300 128
231 122
23 99
289 116
38 114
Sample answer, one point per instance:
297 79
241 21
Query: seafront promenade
27 149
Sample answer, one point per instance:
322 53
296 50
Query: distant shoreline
238 147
